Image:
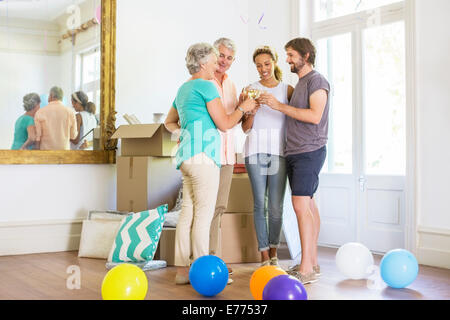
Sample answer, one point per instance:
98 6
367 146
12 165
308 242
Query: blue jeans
268 178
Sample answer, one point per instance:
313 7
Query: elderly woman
24 130
86 121
194 117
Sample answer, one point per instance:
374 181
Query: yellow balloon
125 282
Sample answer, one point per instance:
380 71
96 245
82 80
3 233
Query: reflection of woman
24 130
196 114
263 151
86 121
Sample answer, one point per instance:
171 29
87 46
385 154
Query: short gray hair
197 55
57 93
227 43
30 101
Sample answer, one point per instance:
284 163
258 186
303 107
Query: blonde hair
270 51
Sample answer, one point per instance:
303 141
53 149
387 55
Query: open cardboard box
145 140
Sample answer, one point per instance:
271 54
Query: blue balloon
208 275
399 268
284 287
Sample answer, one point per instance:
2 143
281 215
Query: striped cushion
138 236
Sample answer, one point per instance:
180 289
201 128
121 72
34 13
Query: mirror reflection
50 50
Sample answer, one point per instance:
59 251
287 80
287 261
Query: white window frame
91 86
303 25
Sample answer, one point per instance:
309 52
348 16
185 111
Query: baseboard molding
433 247
27 237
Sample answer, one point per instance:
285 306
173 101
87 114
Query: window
88 79
327 9
362 54
334 61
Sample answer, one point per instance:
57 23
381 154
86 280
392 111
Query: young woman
86 121
263 151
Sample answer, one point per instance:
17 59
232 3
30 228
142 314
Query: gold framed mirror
107 147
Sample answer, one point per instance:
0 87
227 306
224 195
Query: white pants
200 186
226 175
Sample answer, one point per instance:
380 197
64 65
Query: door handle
362 183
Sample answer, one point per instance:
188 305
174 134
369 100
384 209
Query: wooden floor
44 277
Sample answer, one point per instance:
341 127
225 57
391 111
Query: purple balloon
284 287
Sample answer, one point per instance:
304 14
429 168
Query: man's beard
297 67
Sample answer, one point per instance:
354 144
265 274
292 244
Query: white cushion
97 238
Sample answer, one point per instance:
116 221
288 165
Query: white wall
26 73
150 60
433 130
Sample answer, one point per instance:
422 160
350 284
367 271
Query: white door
361 194
381 190
362 188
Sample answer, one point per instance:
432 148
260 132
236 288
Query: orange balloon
260 278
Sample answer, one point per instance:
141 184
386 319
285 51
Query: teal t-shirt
20 131
198 131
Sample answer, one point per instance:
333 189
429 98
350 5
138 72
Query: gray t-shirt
301 136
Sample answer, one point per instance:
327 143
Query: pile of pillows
134 236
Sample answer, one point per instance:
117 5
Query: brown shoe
304 278
180 279
316 270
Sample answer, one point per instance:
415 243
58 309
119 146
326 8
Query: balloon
208 275
261 277
284 287
353 260
125 282
399 268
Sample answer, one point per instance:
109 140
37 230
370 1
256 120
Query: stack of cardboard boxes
146 173
147 177
238 236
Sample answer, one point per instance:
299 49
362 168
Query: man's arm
317 102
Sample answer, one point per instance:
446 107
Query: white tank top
89 122
268 132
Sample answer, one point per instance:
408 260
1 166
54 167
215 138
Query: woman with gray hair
194 117
24 130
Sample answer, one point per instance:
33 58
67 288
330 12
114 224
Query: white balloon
353 260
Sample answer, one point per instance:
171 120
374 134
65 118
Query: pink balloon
98 14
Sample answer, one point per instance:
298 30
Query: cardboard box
240 199
145 140
166 246
145 183
238 243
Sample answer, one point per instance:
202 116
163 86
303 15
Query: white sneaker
265 263
274 262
